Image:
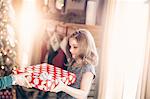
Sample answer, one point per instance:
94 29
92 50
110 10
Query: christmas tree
7 43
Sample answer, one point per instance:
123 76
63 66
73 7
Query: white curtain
124 51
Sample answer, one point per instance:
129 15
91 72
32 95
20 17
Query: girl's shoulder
89 68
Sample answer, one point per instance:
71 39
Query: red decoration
45 77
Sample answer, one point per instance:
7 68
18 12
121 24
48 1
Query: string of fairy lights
7 37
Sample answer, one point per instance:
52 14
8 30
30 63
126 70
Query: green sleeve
5 82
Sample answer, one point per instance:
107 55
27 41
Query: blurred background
120 29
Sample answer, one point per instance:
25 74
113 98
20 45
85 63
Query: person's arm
18 79
5 82
81 93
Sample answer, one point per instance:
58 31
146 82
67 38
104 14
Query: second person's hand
21 80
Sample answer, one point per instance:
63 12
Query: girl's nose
71 50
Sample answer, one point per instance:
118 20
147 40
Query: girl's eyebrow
75 44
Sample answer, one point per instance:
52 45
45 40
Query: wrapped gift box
45 77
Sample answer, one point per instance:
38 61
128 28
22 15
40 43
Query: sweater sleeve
5 82
89 68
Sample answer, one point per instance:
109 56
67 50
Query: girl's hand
59 87
21 80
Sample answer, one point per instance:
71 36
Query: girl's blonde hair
88 53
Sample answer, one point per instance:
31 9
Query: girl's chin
74 56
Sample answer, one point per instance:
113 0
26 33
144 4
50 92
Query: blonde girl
82 56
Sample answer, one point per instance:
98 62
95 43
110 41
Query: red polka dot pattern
45 77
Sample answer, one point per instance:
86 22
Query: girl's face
74 47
